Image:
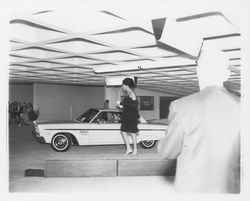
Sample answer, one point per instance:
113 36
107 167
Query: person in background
204 131
106 104
130 115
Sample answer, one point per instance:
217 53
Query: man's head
212 69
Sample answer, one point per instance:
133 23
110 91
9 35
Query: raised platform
109 167
81 168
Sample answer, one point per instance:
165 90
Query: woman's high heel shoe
128 152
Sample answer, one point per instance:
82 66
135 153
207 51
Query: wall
114 94
62 102
151 114
67 102
21 93
164 106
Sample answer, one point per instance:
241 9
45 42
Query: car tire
61 142
148 144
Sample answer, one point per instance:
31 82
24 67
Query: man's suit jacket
204 136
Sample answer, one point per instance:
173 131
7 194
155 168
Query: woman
130 115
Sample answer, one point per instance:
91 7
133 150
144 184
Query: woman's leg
125 139
134 138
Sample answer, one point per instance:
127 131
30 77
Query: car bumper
37 136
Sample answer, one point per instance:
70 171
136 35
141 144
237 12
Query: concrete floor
26 153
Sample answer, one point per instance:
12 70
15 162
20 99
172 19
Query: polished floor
26 153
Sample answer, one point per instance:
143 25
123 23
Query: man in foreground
204 132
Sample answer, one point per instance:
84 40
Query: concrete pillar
112 94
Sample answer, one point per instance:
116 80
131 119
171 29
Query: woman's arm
129 102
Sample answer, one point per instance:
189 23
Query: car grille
36 133
36 130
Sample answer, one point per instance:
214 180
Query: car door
105 131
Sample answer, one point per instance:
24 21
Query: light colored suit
204 136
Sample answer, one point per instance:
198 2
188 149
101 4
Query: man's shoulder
199 97
190 99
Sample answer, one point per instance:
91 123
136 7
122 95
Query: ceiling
83 48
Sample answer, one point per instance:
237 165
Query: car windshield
87 116
108 117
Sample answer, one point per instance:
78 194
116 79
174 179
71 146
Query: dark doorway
164 106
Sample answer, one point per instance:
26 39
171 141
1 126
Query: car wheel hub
148 142
60 142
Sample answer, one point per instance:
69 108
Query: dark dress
130 115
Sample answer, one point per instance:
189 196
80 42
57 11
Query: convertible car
94 127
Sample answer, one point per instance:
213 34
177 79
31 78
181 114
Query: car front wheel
61 142
148 144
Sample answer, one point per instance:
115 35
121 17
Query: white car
94 127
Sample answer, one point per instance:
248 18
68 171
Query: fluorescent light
137 66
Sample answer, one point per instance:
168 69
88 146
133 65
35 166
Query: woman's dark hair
129 82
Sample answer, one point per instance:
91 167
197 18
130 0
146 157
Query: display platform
97 167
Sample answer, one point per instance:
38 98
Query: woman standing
130 115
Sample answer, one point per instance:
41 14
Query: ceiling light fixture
137 66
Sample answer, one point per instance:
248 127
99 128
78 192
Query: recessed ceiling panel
31 33
75 60
38 53
14 58
18 68
25 73
14 44
48 72
233 54
127 38
77 70
155 52
203 26
84 46
115 56
79 21
226 43
77 46
234 62
42 64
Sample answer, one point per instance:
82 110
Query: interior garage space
27 165
27 157
67 60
